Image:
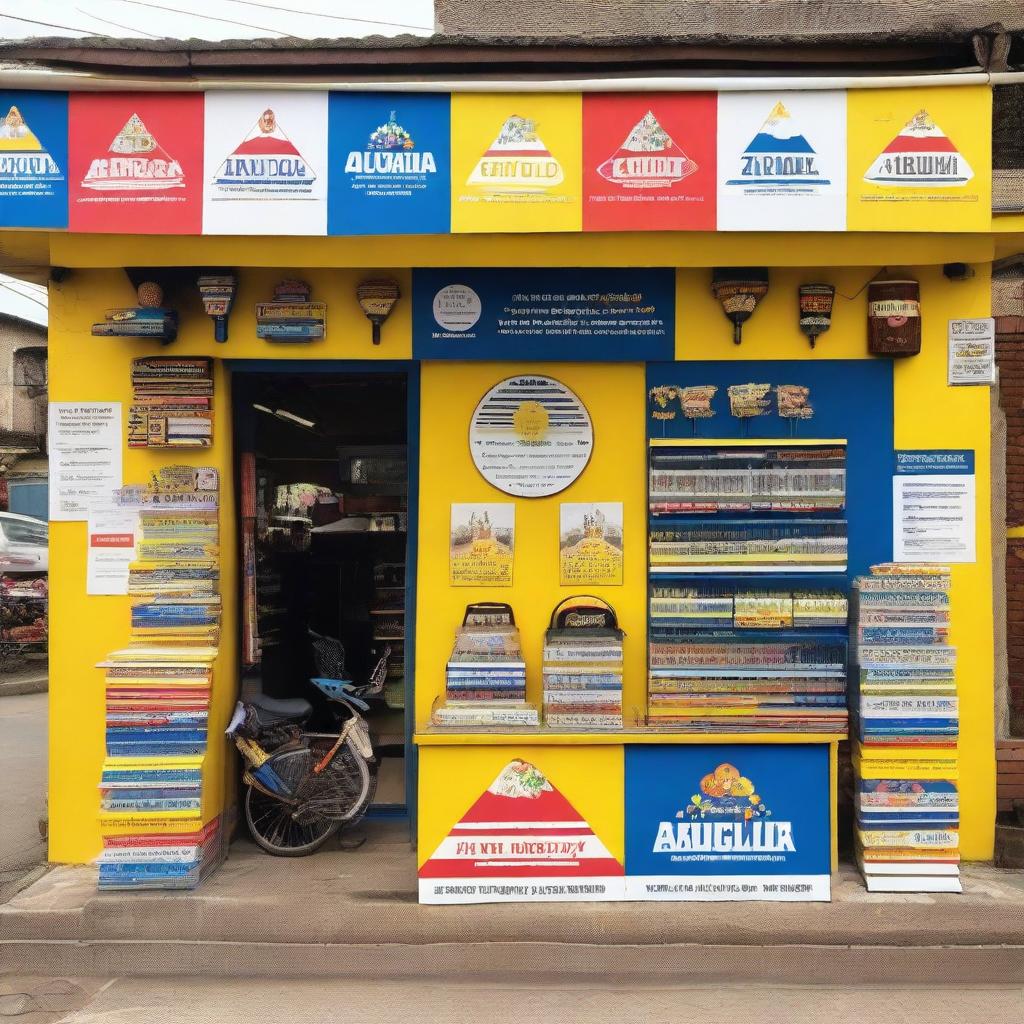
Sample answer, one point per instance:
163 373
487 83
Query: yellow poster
590 543
919 159
482 544
517 162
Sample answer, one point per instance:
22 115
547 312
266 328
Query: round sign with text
531 436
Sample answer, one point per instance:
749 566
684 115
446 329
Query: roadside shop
663 373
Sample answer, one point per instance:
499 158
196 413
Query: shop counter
532 814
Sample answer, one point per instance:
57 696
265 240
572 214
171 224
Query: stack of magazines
583 666
158 691
173 403
486 673
907 728
716 606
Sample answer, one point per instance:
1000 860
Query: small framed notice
972 351
482 544
590 543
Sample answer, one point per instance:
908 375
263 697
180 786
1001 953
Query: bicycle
302 787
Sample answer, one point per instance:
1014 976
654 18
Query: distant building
23 460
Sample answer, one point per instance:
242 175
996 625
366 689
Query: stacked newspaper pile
158 691
173 405
583 677
907 728
486 679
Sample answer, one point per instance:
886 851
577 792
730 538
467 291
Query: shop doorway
326 464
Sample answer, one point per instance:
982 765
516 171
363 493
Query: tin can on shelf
894 318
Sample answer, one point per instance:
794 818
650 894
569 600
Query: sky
214 19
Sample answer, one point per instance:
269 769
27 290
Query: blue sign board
728 822
33 159
390 164
935 462
544 314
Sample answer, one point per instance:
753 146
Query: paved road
227 1000
22 783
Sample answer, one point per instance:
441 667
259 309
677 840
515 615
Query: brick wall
1008 309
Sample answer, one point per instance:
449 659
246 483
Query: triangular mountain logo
265 161
134 162
517 161
648 158
521 828
779 156
920 156
21 153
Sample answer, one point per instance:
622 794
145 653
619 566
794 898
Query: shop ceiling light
377 297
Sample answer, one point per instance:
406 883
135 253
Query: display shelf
743 442
543 736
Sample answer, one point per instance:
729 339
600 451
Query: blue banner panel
728 821
600 315
390 164
935 462
33 159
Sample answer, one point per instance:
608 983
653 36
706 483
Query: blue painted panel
33 159
773 800
390 161
29 499
581 314
852 399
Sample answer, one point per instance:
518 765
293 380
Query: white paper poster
85 457
782 161
972 351
933 515
265 163
111 539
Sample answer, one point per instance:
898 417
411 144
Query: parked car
24 544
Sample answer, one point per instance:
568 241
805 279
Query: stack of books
151 322
583 670
158 691
173 405
291 317
716 606
486 679
907 728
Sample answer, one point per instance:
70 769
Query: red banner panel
649 162
136 163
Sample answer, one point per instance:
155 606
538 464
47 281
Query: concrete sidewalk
355 914
30 677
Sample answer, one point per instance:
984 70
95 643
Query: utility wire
46 24
335 17
208 17
117 24
24 295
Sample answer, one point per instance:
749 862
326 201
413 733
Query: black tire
326 800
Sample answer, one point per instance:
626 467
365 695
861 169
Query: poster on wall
390 164
84 440
111 540
782 161
933 498
580 314
482 544
728 822
916 158
33 159
530 436
136 163
265 164
972 351
649 162
590 544
516 162
522 841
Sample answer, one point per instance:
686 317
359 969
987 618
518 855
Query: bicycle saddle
271 710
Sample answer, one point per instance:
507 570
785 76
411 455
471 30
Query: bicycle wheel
275 826
348 783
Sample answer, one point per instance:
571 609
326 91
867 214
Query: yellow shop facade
633 326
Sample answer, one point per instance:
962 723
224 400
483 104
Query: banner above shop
544 314
280 162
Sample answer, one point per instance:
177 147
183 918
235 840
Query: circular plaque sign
530 436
